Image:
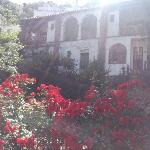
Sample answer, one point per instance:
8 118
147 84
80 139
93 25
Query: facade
127 37
74 34
117 34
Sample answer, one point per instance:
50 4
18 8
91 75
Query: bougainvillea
44 119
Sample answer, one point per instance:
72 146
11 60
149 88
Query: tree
9 51
97 75
9 41
10 12
28 9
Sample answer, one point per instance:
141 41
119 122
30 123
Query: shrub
46 120
62 72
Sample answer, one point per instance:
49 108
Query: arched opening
89 27
117 54
71 29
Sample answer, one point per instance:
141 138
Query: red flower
91 93
71 142
14 128
119 134
75 108
124 121
136 121
130 84
131 104
2 142
31 142
42 86
7 127
120 105
52 108
114 110
119 94
26 142
133 139
119 142
22 142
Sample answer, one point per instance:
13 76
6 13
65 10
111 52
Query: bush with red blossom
44 119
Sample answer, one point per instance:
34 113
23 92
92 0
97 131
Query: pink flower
32 94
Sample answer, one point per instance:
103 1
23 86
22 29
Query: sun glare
103 2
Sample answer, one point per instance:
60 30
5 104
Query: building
127 36
117 34
75 33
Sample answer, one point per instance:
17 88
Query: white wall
46 10
80 16
77 46
113 27
50 32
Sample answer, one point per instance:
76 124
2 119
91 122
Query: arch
89 27
117 54
71 29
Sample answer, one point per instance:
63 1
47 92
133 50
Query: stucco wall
77 46
80 16
51 32
127 41
113 26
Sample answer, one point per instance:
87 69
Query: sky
81 2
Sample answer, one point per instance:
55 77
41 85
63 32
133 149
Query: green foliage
28 118
52 69
9 51
46 66
97 75
61 71
9 11
28 9
100 76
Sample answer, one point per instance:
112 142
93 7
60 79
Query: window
52 26
42 37
148 62
84 60
112 18
138 58
68 54
89 27
71 29
117 54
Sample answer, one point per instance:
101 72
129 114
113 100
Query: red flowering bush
44 119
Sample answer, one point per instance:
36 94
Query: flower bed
44 119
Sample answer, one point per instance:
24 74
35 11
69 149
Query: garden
50 108
44 120
61 109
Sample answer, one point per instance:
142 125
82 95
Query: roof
82 9
64 12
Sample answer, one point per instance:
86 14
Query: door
138 59
84 60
